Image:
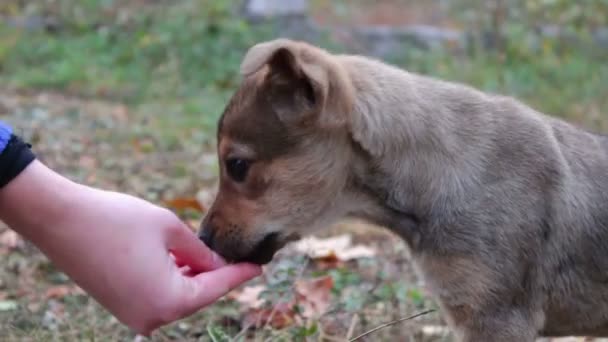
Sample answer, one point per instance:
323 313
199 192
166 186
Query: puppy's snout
207 234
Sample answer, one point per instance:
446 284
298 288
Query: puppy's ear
303 81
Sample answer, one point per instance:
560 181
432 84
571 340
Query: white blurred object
269 8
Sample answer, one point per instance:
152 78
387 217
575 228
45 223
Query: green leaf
417 297
217 334
312 329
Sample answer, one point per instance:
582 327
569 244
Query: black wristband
15 157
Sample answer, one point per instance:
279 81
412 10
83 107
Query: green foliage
180 62
217 334
173 51
562 73
301 333
343 277
280 281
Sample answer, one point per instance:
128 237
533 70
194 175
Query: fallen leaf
183 203
60 291
311 300
278 317
249 297
314 296
329 261
337 246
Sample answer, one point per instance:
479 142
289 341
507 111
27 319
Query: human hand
136 259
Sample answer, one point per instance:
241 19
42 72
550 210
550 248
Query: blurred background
125 94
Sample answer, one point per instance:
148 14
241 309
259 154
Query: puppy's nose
206 235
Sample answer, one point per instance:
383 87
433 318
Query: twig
325 337
351 328
391 323
241 333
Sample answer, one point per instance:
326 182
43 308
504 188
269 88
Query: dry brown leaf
337 246
311 296
182 203
61 291
329 262
249 297
278 317
314 296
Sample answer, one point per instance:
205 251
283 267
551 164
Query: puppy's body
511 203
504 208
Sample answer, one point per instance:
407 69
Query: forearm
33 199
36 201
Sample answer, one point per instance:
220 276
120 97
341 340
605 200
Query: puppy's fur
505 209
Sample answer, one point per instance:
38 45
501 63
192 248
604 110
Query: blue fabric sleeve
6 132
15 154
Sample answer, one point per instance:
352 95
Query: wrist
37 200
15 155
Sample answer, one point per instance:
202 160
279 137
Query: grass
179 63
135 92
572 86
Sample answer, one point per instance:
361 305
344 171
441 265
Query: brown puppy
505 209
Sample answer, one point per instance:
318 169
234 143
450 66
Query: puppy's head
283 150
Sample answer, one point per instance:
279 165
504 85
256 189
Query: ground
105 144
126 99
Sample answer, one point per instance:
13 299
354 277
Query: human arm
118 247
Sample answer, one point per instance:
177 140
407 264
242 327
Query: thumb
210 286
189 250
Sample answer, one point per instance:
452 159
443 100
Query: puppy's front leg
512 326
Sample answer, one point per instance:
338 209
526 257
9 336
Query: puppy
505 209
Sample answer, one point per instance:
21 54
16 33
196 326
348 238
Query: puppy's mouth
265 250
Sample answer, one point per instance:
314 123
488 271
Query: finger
210 286
188 272
190 251
178 262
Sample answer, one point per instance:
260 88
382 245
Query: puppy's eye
237 169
